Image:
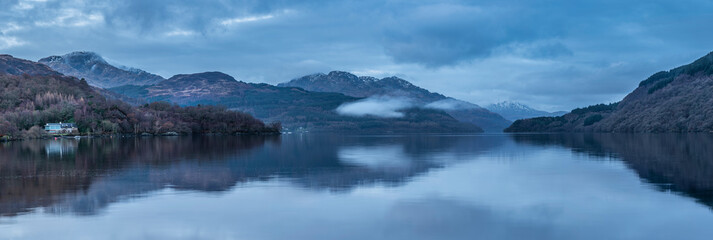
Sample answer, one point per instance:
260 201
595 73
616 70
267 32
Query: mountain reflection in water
82 176
671 162
537 186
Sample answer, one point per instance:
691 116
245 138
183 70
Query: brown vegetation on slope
27 102
679 100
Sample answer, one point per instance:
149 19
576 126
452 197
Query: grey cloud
537 50
6 4
194 15
446 34
560 54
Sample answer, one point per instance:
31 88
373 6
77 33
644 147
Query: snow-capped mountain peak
97 71
512 106
514 110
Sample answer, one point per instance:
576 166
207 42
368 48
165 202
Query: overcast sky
553 55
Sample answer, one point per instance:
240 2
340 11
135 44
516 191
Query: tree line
28 102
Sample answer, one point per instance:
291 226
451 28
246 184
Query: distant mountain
352 85
294 107
679 100
513 111
15 66
97 71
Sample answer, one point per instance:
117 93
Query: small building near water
60 128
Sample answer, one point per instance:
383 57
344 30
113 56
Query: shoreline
71 136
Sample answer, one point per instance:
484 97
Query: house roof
62 125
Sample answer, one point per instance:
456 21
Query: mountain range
394 87
296 108
514 110
678 100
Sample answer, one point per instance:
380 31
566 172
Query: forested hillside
679 100
366 86
27 102
294 107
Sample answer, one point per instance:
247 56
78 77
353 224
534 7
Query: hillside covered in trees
365 86
33 95
292 106
679 100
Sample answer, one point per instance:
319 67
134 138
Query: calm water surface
604 186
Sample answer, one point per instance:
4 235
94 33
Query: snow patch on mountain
515 110
97 71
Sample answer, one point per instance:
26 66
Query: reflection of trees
676 162
32 176
101 171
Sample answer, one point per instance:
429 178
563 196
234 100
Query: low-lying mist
377 106
450 104
392 107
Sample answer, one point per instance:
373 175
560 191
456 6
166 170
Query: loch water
313 186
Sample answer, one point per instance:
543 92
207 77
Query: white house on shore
60 128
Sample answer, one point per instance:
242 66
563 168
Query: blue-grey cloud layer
553 54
